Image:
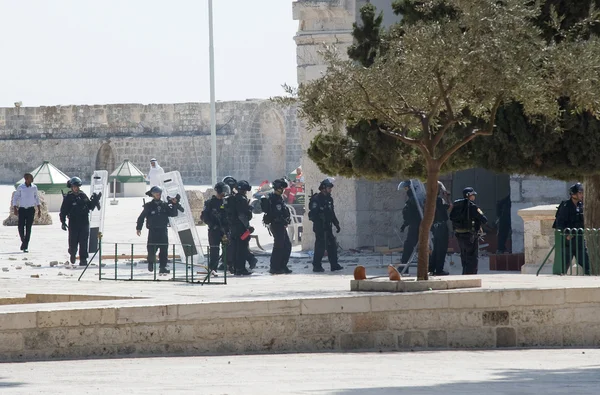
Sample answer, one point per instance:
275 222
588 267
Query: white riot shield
418 190
183 224
99 183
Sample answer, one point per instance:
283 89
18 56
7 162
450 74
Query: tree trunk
591 200
433 173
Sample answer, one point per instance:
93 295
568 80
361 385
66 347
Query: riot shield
418 190
98 185
183 224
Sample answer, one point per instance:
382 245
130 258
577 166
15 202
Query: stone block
23 320
386 341
506 337
540 335
534 297
495 318
582 295
341 323
120 334
369 322
414 319
66 318
11 341
409 301
200 311
586 314
437 339
472 338
376 286
528 317
305 343
357 341
360 304
314 324
146 314
474 300
581 335
147 334
413 339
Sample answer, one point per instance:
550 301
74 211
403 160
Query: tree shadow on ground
582 381
9 384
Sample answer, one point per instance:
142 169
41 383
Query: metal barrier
581 245
122 265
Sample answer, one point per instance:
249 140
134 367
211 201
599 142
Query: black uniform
570 216
467 219
503 213
278 219
440 237
412 219
241 213
77 207
322 214
215 216
229 202
157 213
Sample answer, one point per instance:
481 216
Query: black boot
150 266
164 270
252 262
318 269
286 270
83 262
242 272
336 267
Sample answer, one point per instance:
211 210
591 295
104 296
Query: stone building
256 140
373 209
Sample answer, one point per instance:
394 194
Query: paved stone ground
515 372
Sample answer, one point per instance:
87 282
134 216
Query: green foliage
367 36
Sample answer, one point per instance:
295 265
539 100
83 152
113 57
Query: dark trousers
79 234
240 252
26 216
469 252
412 238
325 240
214 241
576 248
503 232
282 247
440 247
158 239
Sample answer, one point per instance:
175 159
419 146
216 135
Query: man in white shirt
24 201
155 173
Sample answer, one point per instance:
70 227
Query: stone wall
256 140
483 319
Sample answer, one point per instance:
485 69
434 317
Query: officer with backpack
77 206
437 259
240 215
412 220
322 215
277 217
215 216
467 219
570 216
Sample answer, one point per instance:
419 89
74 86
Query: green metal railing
183 268
576 252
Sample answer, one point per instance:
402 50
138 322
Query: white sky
143 51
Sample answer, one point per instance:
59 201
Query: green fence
119 262
576 252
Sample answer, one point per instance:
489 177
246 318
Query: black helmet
404 184
576 188
326 183
156 189
221 187
74 182
468 191
244 186
231 182
280 184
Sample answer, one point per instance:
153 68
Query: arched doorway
105 159
270 163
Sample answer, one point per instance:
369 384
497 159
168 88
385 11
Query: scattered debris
60 274
35 276
18 267
4 269
28 263
24 259
36 264
12 259
53 263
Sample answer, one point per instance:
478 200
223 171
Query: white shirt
26 196
154 175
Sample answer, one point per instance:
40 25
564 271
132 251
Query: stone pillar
538 237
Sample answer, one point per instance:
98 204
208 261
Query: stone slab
384 285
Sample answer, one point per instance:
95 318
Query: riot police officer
467 219
412 220
322 214
569 219
215 216
156 213
277 217
77 206
240 227
437 259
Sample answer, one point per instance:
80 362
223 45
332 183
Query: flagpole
213 120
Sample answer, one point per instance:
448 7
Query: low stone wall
476 319
539 238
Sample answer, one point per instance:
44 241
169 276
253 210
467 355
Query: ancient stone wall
256 140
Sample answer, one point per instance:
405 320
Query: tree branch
402 137
451 120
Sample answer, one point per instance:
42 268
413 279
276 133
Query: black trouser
214 241
437 259
469 252
576 248
79 233
282 247
158 239
26 217
240 253
503 232
412 238
324 239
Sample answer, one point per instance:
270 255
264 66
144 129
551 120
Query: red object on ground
245 235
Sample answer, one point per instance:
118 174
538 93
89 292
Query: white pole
213 120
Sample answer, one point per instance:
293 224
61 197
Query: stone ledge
412 285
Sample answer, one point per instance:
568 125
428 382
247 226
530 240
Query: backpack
460 215
557 212
265 206
311 212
